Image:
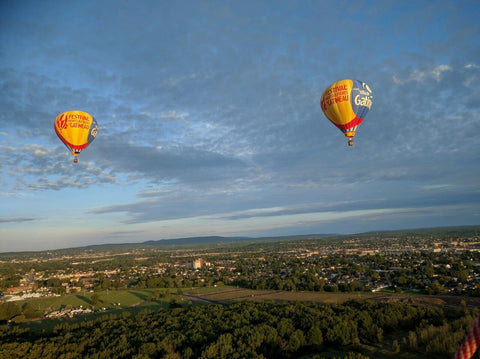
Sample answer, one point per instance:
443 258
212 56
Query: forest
353 330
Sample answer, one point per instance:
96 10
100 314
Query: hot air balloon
76 129
345 103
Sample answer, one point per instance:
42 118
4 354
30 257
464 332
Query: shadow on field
140 295
85 299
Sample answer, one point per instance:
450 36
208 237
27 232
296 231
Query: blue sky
210 122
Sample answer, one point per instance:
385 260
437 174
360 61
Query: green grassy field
162 297
112 299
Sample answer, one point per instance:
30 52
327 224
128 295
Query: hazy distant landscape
427 280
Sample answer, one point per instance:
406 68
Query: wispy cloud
422 75
16 219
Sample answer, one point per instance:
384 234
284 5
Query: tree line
354 330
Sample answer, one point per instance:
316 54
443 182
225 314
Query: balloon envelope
345 103
76 129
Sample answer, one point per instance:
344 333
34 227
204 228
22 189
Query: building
197 264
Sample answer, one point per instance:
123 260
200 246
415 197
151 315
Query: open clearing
117 299
109 299
226 295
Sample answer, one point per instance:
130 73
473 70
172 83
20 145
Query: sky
210 121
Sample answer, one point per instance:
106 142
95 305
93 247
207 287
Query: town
427 262
405 291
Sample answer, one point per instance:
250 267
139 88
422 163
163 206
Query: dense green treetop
249 330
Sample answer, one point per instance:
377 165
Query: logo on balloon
363 101
365 86
62 122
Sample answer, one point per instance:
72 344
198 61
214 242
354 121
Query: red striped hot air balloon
470 343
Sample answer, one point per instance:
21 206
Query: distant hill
196 240
219 239
209 240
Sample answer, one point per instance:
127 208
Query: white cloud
421 75
439 70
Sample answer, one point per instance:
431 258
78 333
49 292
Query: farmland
161 298
229 295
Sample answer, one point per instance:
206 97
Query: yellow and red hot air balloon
345 103
76 129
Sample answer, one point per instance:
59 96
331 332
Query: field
230 294
116 299
161 298
226 295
